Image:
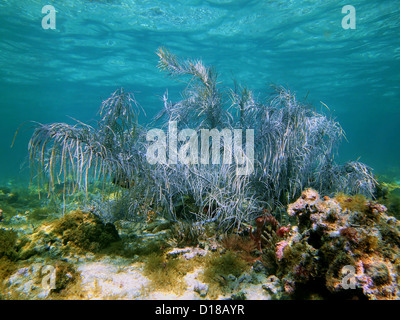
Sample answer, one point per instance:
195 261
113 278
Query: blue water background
99 46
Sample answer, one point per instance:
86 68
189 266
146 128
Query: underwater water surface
99 46
324 103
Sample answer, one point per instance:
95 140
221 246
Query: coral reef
294 148
344 252
198 229
328 252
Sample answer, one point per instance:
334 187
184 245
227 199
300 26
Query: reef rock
187 253
76 232
347 253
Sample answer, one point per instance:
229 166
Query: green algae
218 267
8 240
166 273
41 214
8 255
352 203
86 231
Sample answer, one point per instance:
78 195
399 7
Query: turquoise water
99 46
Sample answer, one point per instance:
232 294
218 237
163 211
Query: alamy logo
189 152
349 20
349 280
49 277
49 20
